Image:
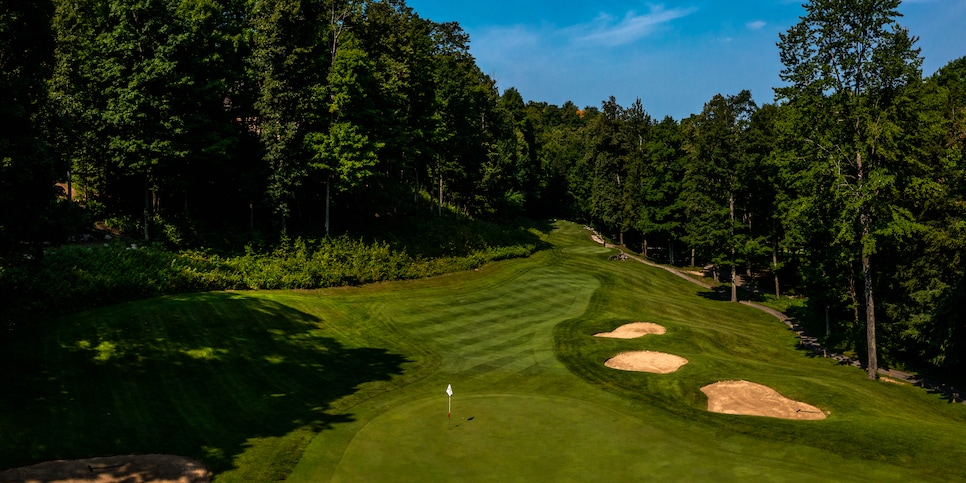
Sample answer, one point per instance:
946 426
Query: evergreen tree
847 63
717 171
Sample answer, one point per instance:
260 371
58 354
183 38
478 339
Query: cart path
805 339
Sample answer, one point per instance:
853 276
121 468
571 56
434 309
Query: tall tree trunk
864 221
441 195
873 364
692 256
416 177
328 181
748 261
734 281
731 232
147 212
774 268
644 247
828 324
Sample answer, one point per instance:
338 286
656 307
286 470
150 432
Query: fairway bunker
751 399
112 469
646 361
633 331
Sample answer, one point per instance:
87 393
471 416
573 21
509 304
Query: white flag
449 390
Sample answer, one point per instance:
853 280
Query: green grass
348 384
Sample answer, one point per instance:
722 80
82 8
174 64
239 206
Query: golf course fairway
350 384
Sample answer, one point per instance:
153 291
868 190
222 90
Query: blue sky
674 55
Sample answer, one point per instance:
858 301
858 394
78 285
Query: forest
183 122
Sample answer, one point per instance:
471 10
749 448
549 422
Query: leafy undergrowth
72 278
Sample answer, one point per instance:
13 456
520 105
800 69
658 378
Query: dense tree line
274 115
173 117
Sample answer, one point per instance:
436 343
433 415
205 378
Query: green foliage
71 278
345 154
850 67
27 165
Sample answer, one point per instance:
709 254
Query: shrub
72 278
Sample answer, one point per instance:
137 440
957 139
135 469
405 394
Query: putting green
492 436
510 437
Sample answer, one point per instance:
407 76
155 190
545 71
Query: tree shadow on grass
204 376
718 294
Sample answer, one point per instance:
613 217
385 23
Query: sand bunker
112 469
633 331
748 398
646 361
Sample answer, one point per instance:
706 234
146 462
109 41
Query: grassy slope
348 384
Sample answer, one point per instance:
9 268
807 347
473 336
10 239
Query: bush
72 278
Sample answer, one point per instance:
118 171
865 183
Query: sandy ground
748 398
153 468
646 361
633 331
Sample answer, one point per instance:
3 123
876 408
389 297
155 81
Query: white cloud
756 25
607 30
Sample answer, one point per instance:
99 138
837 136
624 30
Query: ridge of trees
172 118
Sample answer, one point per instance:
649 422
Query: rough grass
348 384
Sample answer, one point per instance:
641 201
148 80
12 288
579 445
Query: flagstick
449 405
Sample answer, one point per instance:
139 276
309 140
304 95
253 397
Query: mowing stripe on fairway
508 327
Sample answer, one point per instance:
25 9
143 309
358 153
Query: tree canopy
182 121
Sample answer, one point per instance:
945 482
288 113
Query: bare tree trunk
692 256
731 231
864 221
734 282
416 176
774 268
147 212
644 247
748 261
828 324
440 195
873 364
328 182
